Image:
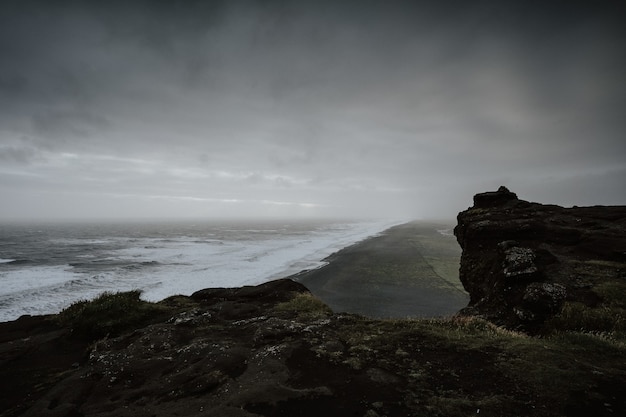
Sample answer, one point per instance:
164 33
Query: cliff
277 350
527 265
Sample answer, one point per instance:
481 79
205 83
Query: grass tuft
108 314
468 328
577 316
305 305
605 322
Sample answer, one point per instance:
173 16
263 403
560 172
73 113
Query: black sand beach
410 270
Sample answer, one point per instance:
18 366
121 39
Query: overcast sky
307 108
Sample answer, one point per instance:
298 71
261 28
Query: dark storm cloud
362 106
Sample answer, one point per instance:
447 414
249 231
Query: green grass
305 305
613 293
441 253
606 320
472 330
577 316
447 269
390 271
109 314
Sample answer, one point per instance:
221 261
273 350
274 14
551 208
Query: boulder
494 198
522 260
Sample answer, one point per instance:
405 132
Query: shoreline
408 270
67 265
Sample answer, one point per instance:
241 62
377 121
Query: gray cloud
336 108
17 154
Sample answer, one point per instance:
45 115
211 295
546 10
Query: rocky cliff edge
275 350
528 265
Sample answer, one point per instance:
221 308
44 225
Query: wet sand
410 270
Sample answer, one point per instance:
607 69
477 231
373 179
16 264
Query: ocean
46 267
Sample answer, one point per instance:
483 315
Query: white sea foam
167 265
36 290
26 280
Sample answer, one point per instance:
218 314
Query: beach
46 267
409 270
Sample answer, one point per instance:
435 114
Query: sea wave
162 262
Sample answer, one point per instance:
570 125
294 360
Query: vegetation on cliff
544 268
276 350
109 314
543 336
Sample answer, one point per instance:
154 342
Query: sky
300 109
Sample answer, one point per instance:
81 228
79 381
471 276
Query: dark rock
507 244
248 301
494 198
271 292
543 298
521 260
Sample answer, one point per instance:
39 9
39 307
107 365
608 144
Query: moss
613 293
472 326
305 305
605 320
179 302
575 316
109 314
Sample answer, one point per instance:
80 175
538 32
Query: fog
307 108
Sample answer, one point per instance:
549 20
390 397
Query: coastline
409 270
274 349
68 263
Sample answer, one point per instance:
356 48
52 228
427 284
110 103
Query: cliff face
275 350
522 262
270 350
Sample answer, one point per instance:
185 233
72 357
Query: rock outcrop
522 261
269 350
276 350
